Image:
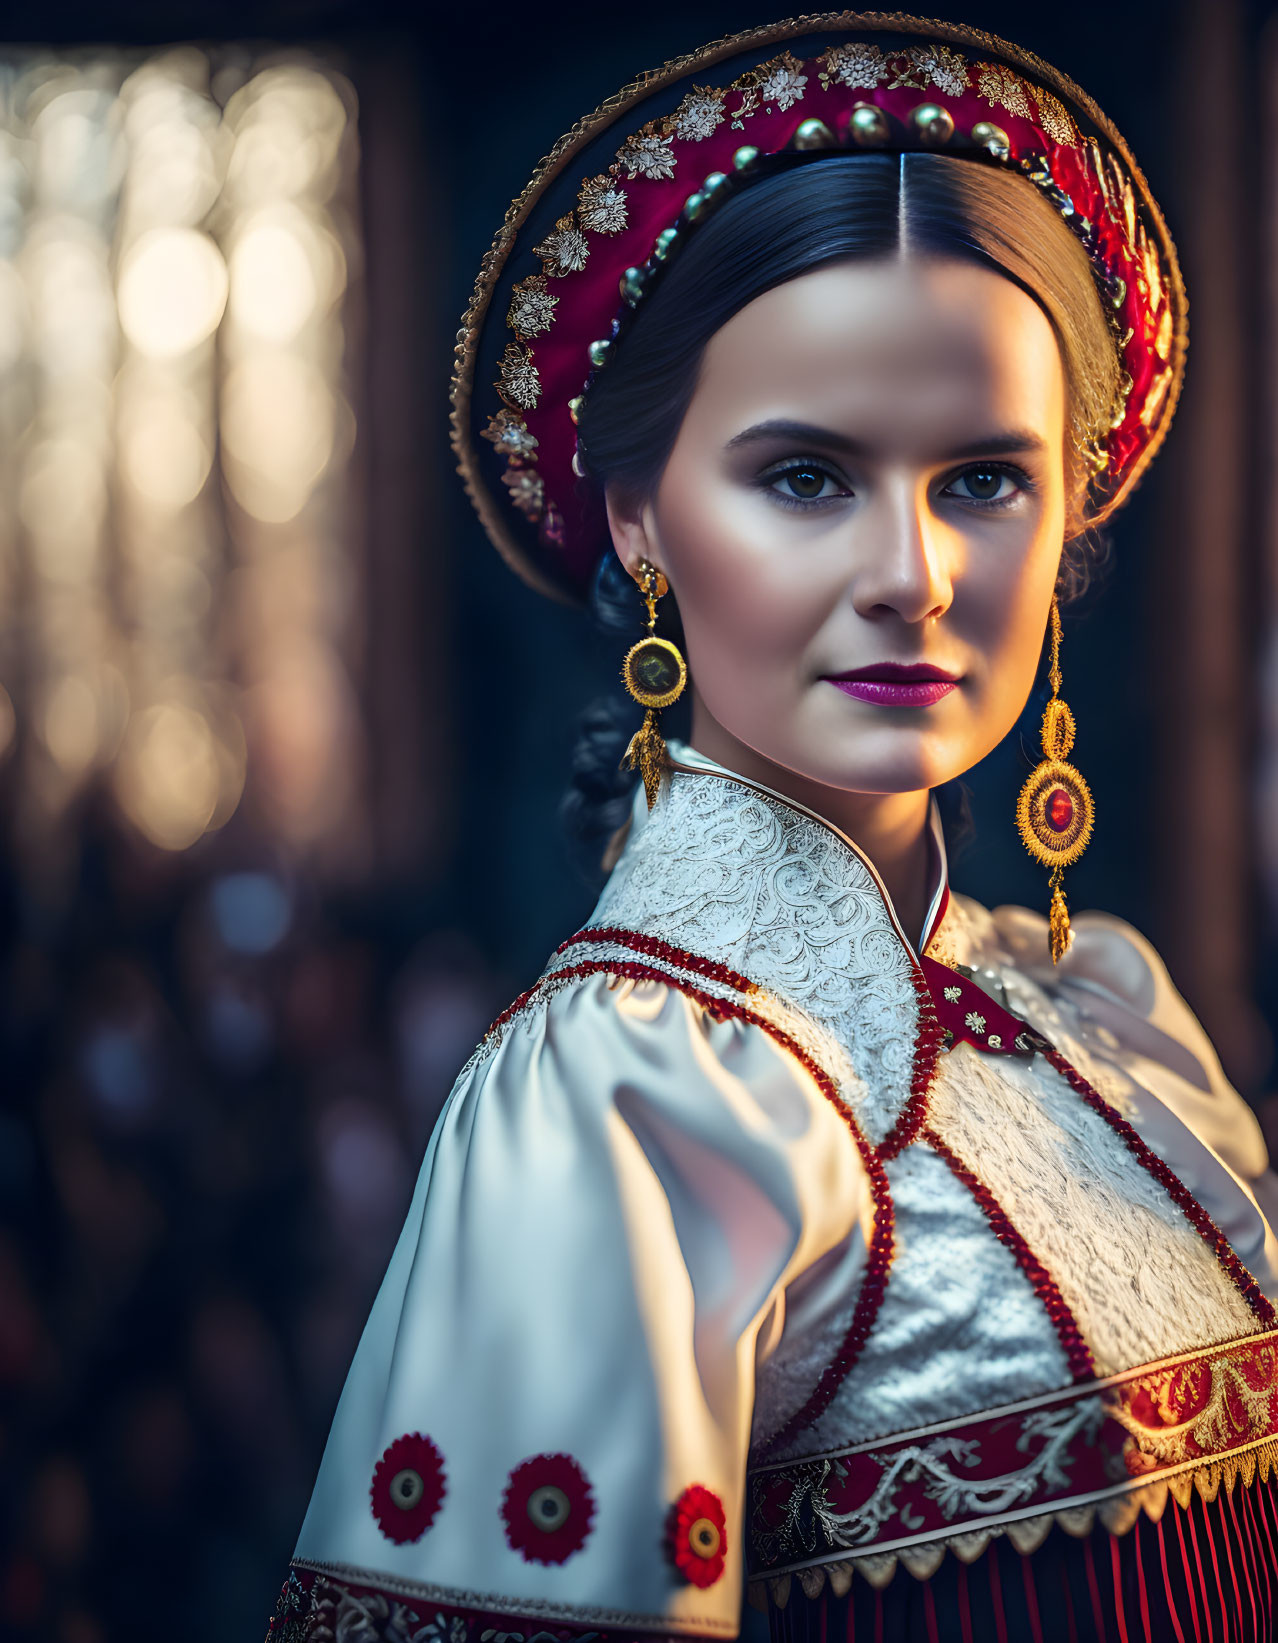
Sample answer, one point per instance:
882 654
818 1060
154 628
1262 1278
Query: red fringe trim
1041 1281
1171 1183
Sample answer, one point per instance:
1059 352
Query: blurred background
278 828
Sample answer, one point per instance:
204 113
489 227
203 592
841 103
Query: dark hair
839 208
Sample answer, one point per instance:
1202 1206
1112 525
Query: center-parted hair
842 208
845 208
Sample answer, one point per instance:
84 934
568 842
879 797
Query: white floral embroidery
698 116
509 435
520 380
953 994
856 65
995 1041
532 308
975 1021
343 1616
527 491
601 206
647 155
1001 87
943 67
1054 117
783 84
564 250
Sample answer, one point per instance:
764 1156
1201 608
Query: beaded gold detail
941 67
646 155
527 490
1054 117
564 250
698 116
780 83
859 66
509 435
520 381
1000 86
601 205
532 308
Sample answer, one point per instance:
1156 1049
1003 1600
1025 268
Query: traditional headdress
610 205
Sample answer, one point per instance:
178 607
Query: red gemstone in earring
1060 810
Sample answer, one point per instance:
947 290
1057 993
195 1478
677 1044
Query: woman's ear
632 527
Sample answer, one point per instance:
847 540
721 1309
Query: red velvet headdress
610 203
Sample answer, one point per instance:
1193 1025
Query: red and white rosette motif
408 1488
698 1536
548 1508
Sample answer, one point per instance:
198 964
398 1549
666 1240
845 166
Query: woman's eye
984 485
804 483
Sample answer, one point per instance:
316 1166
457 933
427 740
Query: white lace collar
685 757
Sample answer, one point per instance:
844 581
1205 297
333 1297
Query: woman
807 1228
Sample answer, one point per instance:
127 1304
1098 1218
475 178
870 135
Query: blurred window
178 606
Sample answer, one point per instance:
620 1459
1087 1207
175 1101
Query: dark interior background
181 1287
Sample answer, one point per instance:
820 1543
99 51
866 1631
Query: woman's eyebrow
1002 440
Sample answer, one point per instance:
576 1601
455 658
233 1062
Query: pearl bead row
868 127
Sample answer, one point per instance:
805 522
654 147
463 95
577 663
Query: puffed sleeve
548 1412
1114 988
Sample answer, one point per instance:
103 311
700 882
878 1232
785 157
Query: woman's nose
901 557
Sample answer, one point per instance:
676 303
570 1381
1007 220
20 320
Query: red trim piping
883 1239
927 1049
653 947
1171 1183
928 1036
1077 1353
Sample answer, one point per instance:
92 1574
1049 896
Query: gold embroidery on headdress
527 490
1054 117
646 155
564 250
532 308
938 66
858 65
781 82
698 116
601 205
1000 86
510 435
520 381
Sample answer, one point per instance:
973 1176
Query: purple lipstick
896 684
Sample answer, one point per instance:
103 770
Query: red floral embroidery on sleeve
548 1508
407 1488
698 1535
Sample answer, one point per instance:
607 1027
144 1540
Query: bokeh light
174 260
172 291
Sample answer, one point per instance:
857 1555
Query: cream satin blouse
648 1212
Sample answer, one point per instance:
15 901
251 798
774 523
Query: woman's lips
893 685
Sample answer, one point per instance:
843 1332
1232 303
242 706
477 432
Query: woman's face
870 471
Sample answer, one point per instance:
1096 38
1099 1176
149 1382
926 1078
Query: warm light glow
167 777
172 262
71 724
62 503
163 454
273 288
8 723
172 291
277 432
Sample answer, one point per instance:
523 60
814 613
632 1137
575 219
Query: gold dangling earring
1055 810
654 672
